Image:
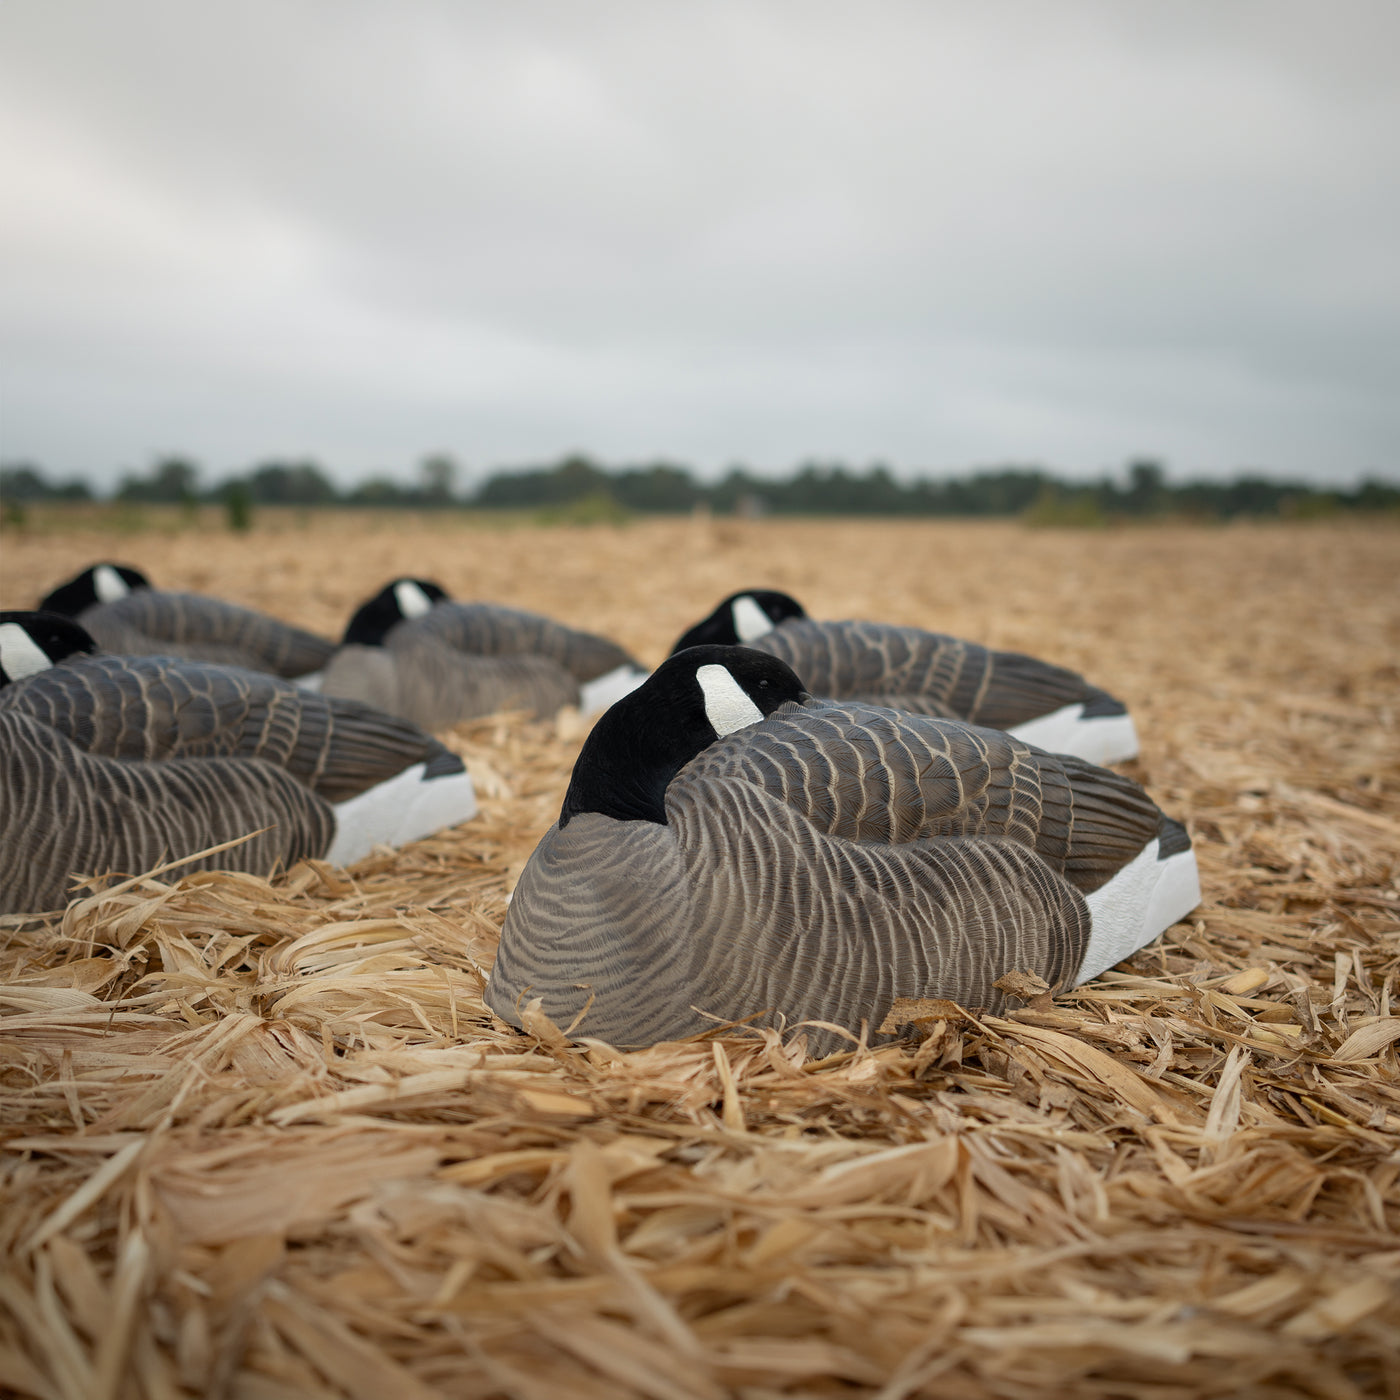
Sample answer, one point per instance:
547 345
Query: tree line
580 488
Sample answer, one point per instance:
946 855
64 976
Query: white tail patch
727 707
604 692
412 601
20 654
1145 898
1098 739
108 584
403 808
750 621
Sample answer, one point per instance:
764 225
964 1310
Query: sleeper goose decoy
127 617
120 762
414 652
730 849
927 673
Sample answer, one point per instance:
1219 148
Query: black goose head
690 700
404 597
102 583
31 642
742 617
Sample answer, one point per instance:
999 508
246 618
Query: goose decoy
414 652
127 617
120 762
730 849
926 673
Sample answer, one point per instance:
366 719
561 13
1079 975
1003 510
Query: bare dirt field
261 1139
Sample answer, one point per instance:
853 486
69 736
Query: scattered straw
262 1139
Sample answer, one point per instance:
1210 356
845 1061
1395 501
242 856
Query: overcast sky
939 235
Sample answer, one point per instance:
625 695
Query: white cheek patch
20 654
412 601
727 707
108 584
750 621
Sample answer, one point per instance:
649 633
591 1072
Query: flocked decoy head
692 699
100 583
396 601
31 642
742 617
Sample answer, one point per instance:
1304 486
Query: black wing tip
1099 704
1172 838
443 765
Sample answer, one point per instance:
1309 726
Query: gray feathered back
150 709
486 629
436 687
150 623
924 672
816 866
68 810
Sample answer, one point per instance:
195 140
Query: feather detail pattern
487 629
146 709
435 687
67 810
928 673
150 623
815 866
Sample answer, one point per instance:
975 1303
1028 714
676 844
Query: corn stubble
261 1138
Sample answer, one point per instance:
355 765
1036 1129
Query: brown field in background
261 1139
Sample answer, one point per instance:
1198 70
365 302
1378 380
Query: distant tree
291 484
1006 491
172 480
238 505
1062 505
1373 495
438 475
573 479
383 492
1147 487
577 478
1255 495
661 487
23 481
738 485
832 488
580 488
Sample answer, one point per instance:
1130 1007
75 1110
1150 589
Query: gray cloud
939 234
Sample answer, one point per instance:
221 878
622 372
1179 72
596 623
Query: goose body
119 762
928 673
414 652
736 851
124 615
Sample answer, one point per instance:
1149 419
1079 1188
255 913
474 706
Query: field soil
260 1138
